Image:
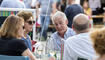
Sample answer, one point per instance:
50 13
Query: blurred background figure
28 26
1 1
48 7
11 32
79 46
63 5
27 3
72 10
95 5
33 4
87 9
98 38
12 4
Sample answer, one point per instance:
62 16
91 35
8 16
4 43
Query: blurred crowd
46 8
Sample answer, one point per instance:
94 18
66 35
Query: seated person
63 32
28 26
11 32
79 45
98 38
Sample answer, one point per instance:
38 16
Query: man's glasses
31 22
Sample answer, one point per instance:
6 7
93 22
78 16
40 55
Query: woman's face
85 4
29 24
21 31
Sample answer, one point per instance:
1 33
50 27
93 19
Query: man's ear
67 22
72 27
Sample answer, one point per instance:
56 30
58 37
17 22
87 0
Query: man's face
60 25
29 24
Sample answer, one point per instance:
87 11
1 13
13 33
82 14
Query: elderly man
79 46
58 38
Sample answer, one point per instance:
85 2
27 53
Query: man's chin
60 31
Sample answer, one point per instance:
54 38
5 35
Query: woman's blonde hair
11 26
98 37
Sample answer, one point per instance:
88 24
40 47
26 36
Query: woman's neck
85 8
25 34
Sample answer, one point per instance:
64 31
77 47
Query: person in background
1 1
104 19
72 10
28 26
27 3
48 8
33 4
63 32
63 5
11 32
12 4
79 46
95 5
87 9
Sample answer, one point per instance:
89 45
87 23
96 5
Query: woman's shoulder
14 40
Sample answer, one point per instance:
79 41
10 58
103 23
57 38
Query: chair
5 57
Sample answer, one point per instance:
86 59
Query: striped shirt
55 41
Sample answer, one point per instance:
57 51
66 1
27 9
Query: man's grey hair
58 14
81 22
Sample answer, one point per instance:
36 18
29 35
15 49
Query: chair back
5 57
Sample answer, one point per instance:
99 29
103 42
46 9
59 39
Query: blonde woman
10 34
98 38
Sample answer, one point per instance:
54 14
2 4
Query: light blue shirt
27 41
55 41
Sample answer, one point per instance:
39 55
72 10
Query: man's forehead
59 18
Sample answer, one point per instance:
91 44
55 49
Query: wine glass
39 51
49 45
